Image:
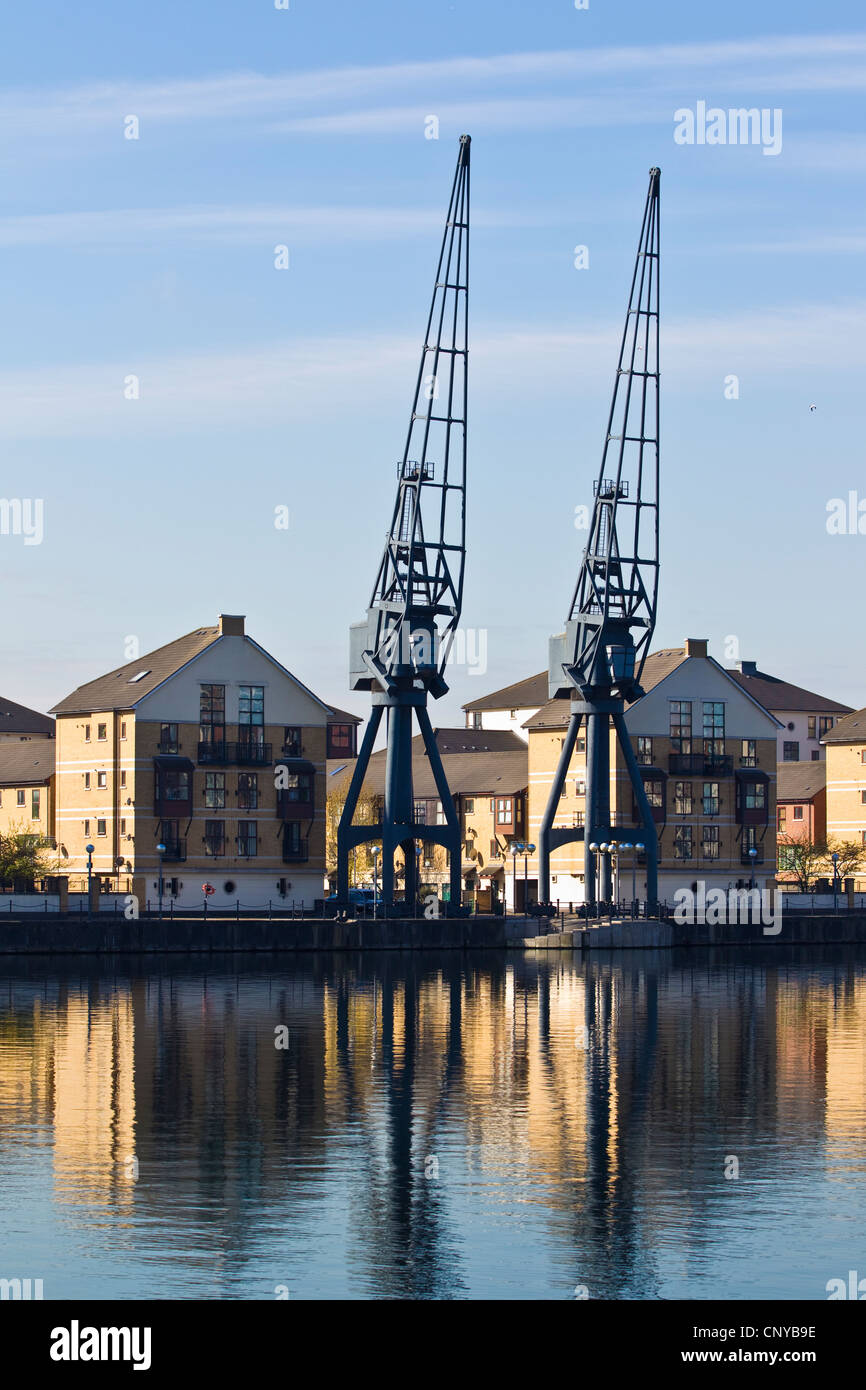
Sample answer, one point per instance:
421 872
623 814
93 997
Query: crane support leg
345 839
451 821
544 837
651 841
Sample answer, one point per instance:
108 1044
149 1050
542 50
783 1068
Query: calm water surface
437 1126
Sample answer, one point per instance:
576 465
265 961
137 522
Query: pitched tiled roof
776 694
118 690
23 764
496 769
800 781
555 714
525 694
342 716
852 729
18 719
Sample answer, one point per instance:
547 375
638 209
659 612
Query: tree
367 812
24 857
807 859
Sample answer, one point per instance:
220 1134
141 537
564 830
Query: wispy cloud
123 227
788 62
281 382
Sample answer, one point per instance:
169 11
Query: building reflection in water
424 1103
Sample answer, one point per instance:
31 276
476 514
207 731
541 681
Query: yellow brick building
210 748
846 783
27 788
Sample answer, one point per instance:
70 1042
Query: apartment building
845 746
801 810
805 717
707 752
18 724
510 707
486 772
27 787
209 747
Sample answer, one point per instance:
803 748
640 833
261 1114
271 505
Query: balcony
749 761
296 853
213 751
705 765
175 851
167 746
250 754
747 858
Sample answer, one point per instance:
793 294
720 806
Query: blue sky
261 388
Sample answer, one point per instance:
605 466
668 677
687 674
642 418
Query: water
439 1126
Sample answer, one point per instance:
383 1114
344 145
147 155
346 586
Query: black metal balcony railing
250 754
168 745
175 851
748 760
706 765
213 751
295 853
747 858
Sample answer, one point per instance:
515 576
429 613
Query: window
420 813
655 791
644 749
863 837
214 838
683 845
251 714
34 804
168 738
102 732
87 733
711 799
564 793
504 810
87 829
790 752
440 814
787 857
815 755
215 790
714 728
812 721
292 740
87 781
123 729
341 741
681 726
476 720
825 724
749 753
100 827
494 849
710 842
580 787
212 714
750 838
293 843
247 839
172 786
102 779
863 756
755 798
248 791
470 806
782 817
581 745
123 779
20 798
682 798
299 787
863 798
798 810
122 826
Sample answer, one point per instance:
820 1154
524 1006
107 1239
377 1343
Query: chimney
696 646
231 624
748 668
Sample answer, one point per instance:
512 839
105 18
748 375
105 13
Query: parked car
361 901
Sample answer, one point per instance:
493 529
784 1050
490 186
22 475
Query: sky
164 387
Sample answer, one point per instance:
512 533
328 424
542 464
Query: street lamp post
160 849
835 859
376 851
89 849
527 850
638 849
417 904
516 848
753 854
